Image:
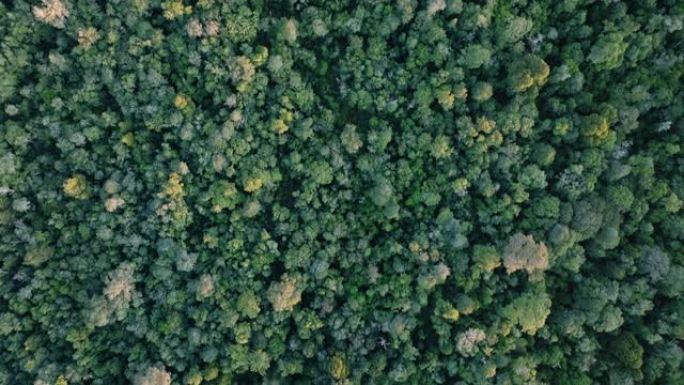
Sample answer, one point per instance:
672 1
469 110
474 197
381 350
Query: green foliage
527 71
627 349
608 51
529 311
475 56
316 192
248 304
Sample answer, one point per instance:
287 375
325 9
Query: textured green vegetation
225 192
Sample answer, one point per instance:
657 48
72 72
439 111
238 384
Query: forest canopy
461 192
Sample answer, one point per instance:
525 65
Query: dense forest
461 192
